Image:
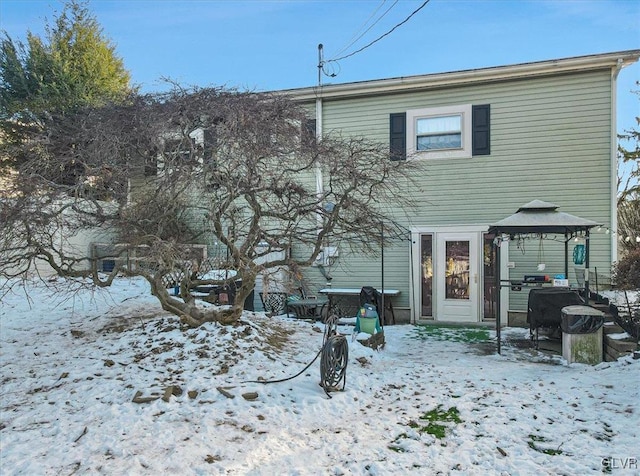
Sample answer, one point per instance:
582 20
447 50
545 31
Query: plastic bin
368 325
582 334
581 319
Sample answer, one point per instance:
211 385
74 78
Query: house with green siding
487 142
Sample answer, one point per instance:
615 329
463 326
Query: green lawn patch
533 444
439 421
451 333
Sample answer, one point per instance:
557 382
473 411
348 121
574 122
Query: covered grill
544 308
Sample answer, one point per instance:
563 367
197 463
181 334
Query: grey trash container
581 319
582 334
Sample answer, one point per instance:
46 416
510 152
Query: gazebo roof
541 217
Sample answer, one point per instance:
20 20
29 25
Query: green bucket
368 324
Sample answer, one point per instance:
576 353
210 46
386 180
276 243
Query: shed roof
538 216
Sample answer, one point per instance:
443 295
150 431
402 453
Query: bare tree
169 170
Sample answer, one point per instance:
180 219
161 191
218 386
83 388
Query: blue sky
269 45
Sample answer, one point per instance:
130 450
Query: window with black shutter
398 136
309 133
441 132
481 144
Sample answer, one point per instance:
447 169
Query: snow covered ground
433 401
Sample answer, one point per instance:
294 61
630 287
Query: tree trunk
193 316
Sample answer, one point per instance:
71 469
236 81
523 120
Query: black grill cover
545 306
370 295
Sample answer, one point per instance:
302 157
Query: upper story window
439 132
177 150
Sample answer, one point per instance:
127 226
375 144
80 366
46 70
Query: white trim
415 264
449 228
614 160
413 115
196 134
472 76
416 277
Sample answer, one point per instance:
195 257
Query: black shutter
481 132
310 126
210 142
309 133
398 136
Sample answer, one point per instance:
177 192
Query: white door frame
415 266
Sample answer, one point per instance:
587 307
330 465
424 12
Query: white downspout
319 178
319 185
614 159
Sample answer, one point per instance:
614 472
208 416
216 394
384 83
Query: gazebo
539 217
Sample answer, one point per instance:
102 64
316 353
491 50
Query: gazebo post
586 266
567 237
496 245
383 318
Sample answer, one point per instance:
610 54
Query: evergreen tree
629 156
74 66
629 189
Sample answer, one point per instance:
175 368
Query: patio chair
309 307
274 302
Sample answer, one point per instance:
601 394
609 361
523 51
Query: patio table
306 307
345 302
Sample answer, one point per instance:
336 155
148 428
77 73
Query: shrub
626 272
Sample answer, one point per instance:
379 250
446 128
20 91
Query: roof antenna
320 63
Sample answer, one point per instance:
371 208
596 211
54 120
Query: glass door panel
426 273
457 270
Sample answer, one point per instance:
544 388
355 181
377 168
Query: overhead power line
383 35
356 37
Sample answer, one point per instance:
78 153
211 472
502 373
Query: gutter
474 76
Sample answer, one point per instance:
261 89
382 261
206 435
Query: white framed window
178 150
439 132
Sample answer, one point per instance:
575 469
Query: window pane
436 125
457 270
427 275
442 141
437 133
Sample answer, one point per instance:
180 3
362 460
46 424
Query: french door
457 275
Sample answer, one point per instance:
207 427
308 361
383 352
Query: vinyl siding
550 140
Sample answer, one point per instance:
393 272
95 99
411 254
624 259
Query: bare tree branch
166 171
